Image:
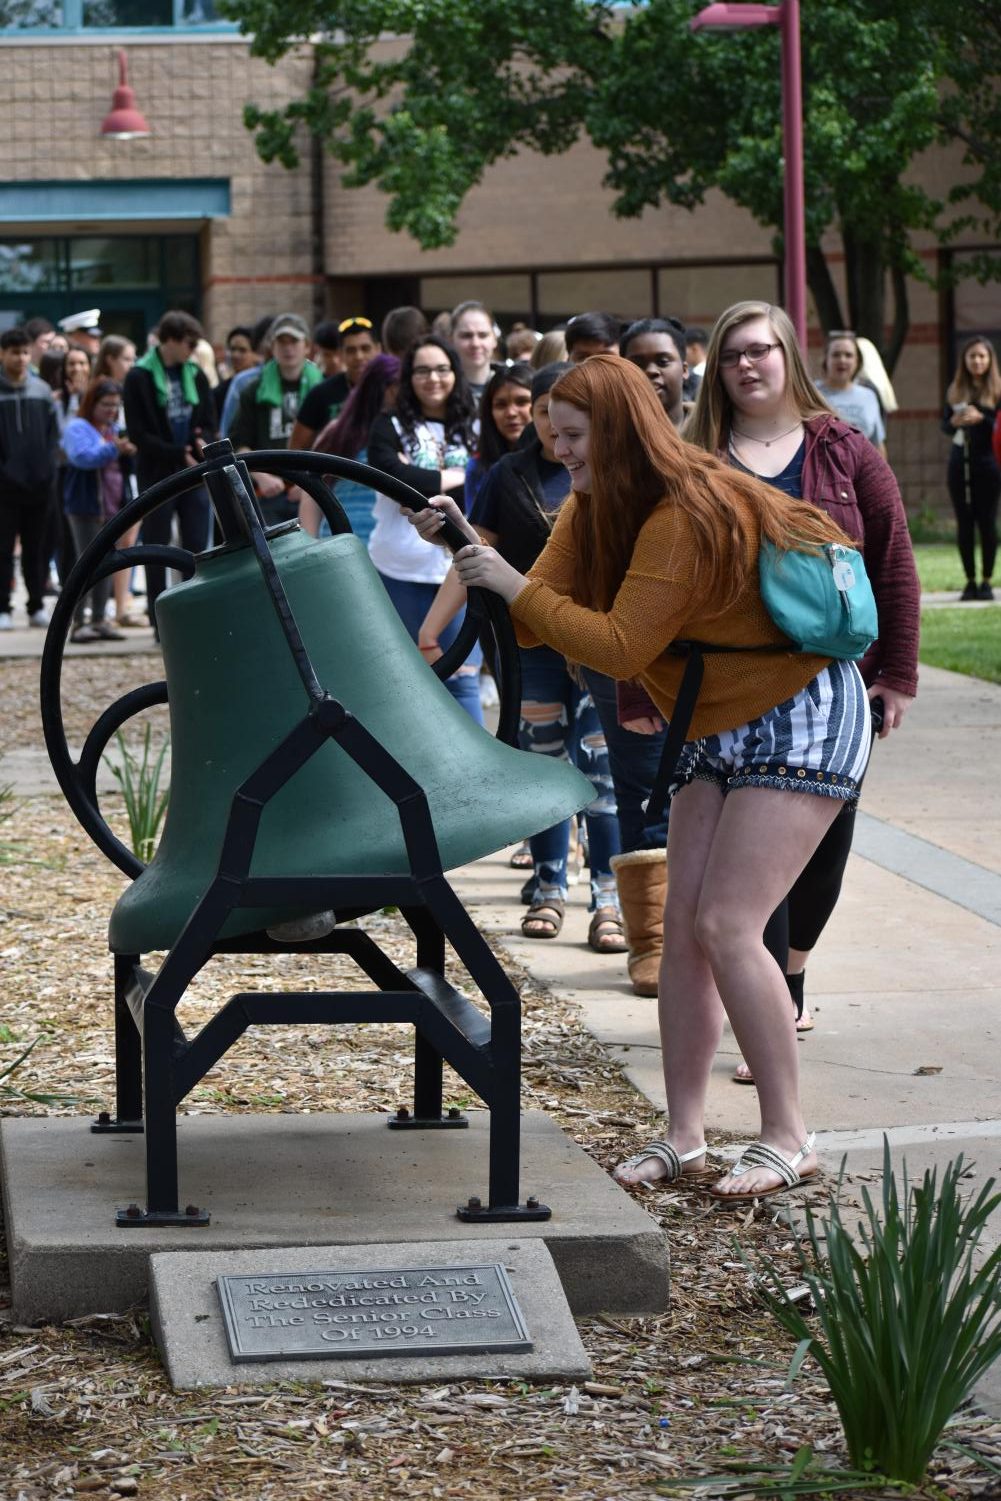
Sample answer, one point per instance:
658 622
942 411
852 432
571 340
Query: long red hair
638 462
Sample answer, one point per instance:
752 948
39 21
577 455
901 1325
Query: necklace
766 442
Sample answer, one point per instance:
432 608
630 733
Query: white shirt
394 546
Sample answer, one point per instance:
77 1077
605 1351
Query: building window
508 297
128 13
976 303
132 279
30 266
625 292
114 261
698 294
109 15
31 15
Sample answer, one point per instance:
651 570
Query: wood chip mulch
678 1401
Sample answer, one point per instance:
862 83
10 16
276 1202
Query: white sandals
786 1168
665 1153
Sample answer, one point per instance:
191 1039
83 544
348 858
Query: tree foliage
970 113
421 96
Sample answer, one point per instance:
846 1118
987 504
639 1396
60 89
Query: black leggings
815 893
799 921
974 499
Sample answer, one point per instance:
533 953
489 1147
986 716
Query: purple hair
348 434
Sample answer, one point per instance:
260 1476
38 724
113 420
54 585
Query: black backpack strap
677 730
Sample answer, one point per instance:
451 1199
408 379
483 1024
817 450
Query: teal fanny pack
823 602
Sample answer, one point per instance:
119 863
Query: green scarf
161 380
269 387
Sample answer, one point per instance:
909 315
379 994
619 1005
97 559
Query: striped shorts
818 741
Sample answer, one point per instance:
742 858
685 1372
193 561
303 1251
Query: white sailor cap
88 322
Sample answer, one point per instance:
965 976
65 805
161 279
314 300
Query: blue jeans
412 602
558 718
633 761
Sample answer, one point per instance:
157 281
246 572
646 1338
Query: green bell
235 694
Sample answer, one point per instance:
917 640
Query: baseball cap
288 323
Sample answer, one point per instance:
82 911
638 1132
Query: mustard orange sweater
658 603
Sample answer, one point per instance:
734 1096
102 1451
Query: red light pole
725 16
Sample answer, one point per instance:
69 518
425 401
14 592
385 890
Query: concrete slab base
283 1180
191 1337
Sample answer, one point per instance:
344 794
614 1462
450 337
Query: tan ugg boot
641 877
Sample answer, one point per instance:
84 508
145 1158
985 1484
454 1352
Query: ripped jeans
558 718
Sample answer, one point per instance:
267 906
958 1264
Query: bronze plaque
322 1315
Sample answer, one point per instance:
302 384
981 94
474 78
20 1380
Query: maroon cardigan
854 484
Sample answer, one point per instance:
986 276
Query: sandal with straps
786 1168
668 1155
548 913
605 934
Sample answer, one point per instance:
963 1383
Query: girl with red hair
659 542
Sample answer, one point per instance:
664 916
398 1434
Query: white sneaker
6 624
40 619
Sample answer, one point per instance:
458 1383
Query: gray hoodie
29 440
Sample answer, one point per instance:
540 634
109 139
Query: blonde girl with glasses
759 411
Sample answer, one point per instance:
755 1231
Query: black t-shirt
789 480
178 407
553 482
324 402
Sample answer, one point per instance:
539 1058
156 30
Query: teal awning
124 198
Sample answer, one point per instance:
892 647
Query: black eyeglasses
731 358
429 372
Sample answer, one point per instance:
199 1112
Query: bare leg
795 965
740 889
691 1013
123 597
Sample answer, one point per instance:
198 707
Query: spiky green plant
16 851
39 1097
906 1321
139 778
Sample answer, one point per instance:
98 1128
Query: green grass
962 640
939 568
